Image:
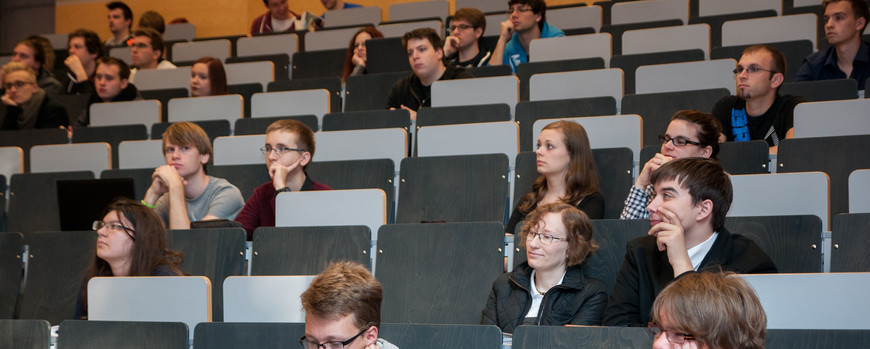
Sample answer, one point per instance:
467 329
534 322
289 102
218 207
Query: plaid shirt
636 203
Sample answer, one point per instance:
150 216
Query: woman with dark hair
550 288
690 134
567 173
208 78
355 60
131 241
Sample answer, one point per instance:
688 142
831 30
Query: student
289 149
849 55
131 241
146 52
343 309
687 214
356 57
208 78
425 56
26 105
84 50
758 112
550 288
120 24
462 47
181 191
31 51
528 21
567 173
690 134
112 84
708 310
278 19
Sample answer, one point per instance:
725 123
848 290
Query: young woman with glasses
131 241
550 288
690 134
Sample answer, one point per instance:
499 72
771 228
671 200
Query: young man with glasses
181 191
343 309
462 46
732 315
848 56
527 21
687 214
288 150
690 134
146 52
758 112
27 105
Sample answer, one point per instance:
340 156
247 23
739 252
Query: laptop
83 201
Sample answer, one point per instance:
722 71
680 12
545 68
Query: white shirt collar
697 253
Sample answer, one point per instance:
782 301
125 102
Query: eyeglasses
545 238
519 9
16 84
329 345
674 337
461 27
141 45
280 150
116 227
752 70
679 141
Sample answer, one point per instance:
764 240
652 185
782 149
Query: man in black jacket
112 84
687 214
426 58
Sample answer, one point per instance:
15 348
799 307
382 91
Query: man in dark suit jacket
687 214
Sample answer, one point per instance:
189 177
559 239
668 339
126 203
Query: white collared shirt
697 253
537 297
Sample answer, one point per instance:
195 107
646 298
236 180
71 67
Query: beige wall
212 17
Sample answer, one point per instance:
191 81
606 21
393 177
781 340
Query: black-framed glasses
545 238
674 337
116 227
330 345
679 141
280 150
519 9
460 27
751 70
16 84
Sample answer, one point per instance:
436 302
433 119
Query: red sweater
259 211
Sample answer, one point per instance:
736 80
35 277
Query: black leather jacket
578 300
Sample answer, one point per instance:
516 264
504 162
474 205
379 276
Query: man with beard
758 111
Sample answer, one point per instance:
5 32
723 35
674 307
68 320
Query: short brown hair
537 6
123 69
304 135
345 288
422 33
719 308
155 37
153 20
777 58
578 229
473 16
705 179
38 51
859 8
187 133
92 41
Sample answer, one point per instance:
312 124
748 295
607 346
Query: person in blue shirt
337 5
848 56
527 21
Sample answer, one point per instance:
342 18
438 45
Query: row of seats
410 260
33 334
442 153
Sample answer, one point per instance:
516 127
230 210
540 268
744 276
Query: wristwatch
282 190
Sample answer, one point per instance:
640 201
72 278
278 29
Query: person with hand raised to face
688 234
288 150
